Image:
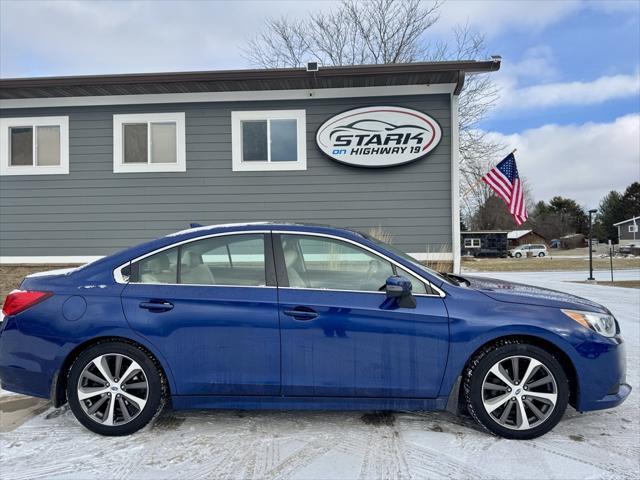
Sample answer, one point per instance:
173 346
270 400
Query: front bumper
612 400
601 368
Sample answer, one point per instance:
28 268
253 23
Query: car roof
195 232
200 230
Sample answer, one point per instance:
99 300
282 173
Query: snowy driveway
233 444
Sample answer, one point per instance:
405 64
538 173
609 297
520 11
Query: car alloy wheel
112 389
116 388
518 255
519 392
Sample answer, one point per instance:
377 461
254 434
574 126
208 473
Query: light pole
591 212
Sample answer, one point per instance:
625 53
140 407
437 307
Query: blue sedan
288 316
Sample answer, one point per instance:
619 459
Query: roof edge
632 219
462 67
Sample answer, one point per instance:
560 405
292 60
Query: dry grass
616 283
439 265
545 264
12 275
381 234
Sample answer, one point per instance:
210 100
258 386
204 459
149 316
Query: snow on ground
337 445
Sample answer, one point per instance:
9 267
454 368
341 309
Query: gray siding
93 211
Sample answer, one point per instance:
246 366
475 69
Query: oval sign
378 136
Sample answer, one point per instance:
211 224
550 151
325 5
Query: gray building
93 164
628 231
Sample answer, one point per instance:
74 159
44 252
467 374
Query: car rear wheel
516 390
115 388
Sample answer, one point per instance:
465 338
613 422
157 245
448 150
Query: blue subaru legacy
286 316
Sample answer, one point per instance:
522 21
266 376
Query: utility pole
591 212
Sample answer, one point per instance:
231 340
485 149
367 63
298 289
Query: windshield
408 258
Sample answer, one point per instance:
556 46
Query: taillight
19 300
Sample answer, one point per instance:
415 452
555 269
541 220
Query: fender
64 360
461 353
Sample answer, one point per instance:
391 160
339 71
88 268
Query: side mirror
399 288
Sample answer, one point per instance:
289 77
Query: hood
510 292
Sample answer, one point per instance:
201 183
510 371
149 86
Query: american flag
504 180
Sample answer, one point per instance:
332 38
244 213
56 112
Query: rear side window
161 267
227 260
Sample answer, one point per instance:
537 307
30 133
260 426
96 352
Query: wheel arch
59 385
455 396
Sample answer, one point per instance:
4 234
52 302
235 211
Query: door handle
156 305
301 313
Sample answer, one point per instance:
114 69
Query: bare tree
371 32
391 31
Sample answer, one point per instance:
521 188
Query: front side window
229 260
326 263
149 143
268 140
34 146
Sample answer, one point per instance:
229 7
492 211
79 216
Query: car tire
541 254
518 255
118 406
541 398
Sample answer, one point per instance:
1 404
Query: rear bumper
21 370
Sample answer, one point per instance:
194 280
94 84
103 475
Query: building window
269 140
149 142
633 228
472 243
34 146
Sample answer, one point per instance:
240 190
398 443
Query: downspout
455 173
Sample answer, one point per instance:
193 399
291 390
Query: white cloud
496 16
76 37
602 89
583 162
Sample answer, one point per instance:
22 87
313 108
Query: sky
569 82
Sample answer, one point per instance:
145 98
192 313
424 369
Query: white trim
455 183
238 117
7 123
473 242
43 260
433 256
625 221
149 118
444 88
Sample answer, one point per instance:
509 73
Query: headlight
599 322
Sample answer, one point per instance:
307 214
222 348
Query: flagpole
479 181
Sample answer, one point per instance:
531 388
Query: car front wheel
115 388
541 254
518 255
516 390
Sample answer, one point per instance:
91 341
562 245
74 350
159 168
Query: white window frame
5 166
472 243
256 166
118 142
633 228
